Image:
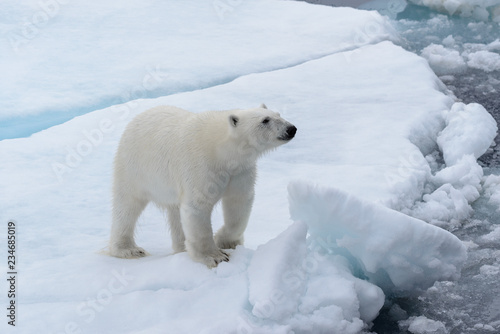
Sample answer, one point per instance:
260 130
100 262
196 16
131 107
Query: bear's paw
128 253
213 260
226 243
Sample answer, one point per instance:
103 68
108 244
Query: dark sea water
471 304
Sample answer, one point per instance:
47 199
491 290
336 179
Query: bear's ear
263 106
233 120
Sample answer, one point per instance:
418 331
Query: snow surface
65 58
368 121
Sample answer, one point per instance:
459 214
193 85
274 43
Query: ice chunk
484 60
496 14
357 298
489 270
276 277
491 188
477 9
444 61
495 45
399 253
449 41
492 237
397 313
465 173
292 287
468 134
470 129
457 186
445 207
423 325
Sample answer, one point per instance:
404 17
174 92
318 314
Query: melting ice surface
383 154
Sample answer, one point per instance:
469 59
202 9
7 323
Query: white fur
186 163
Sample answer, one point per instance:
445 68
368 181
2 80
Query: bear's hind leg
126 211
178 239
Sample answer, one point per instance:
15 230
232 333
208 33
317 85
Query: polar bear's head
260 129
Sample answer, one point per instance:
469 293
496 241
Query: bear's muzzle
289 134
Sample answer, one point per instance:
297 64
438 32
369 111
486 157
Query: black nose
290 131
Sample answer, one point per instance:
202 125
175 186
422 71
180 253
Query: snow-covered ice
369 116
64 58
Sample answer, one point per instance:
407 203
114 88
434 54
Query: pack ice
477 9
374 125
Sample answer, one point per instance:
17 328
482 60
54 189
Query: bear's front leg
236 205
197 228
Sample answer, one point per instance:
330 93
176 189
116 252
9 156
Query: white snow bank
477 9
399 253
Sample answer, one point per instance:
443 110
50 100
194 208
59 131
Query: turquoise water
19 127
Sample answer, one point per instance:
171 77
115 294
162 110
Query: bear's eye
266 120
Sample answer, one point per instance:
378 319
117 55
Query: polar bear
186 162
